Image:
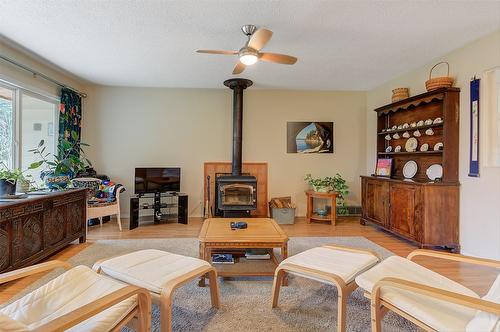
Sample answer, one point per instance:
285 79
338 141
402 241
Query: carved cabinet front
34 228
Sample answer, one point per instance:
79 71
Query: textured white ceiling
341 45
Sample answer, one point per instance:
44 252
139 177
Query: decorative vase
7 188
54 182
321 189
23 186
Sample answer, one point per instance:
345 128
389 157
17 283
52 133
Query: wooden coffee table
216 235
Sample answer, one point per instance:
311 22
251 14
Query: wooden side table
332 196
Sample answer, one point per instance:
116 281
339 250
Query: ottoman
331 264
161 273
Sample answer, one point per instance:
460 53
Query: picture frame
310 137
384 167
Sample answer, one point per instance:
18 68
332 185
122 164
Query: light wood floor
477 278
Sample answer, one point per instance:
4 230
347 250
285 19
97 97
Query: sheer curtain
491 116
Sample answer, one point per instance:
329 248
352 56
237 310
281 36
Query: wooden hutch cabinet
418 209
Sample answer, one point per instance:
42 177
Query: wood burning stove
236 194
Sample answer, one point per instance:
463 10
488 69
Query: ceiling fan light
248 59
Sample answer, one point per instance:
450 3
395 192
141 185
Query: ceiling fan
250 53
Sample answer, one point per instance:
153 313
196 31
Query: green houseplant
9 179
327 184
60 169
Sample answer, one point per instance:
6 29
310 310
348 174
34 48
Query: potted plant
65 166
327 184
9 179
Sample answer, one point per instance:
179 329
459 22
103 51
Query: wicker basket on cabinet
439 82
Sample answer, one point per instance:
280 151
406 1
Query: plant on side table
327 184
59 171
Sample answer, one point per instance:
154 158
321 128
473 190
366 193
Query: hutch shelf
418 209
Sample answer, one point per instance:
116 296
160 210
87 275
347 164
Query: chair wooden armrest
118 192
454 257
437 293
34 269
351 249
85 312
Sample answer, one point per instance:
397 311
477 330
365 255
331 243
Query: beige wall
133 127
480 197
25 79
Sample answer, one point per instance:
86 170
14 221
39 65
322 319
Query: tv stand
165 207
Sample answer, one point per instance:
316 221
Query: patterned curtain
70 116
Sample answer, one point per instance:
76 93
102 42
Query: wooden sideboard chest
418 209
34 228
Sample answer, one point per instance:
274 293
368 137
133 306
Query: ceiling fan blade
259 39
239 68
218 52
278 58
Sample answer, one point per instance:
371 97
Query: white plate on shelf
410 169
411 144
397 148
438 146
424 147
388 149
435 171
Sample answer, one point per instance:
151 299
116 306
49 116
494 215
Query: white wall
133 127
480 197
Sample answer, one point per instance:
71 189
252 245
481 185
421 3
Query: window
7 106
38 122
26 118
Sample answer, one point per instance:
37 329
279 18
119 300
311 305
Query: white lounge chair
331 264
78 300
428 299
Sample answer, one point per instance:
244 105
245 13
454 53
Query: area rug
305 305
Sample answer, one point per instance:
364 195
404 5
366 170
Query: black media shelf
178 202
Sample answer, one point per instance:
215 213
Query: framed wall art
309 137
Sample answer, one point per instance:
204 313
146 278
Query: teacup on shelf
437 120
395 136
406 134
428 122
413 124
397 149
420 123
429 132
387 137
417 133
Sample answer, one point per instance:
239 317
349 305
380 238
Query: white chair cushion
483 321
344 264
150 268
7 324
67 292
438 314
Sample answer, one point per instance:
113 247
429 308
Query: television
157 180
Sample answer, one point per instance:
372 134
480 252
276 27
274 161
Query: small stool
161 273
335 265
